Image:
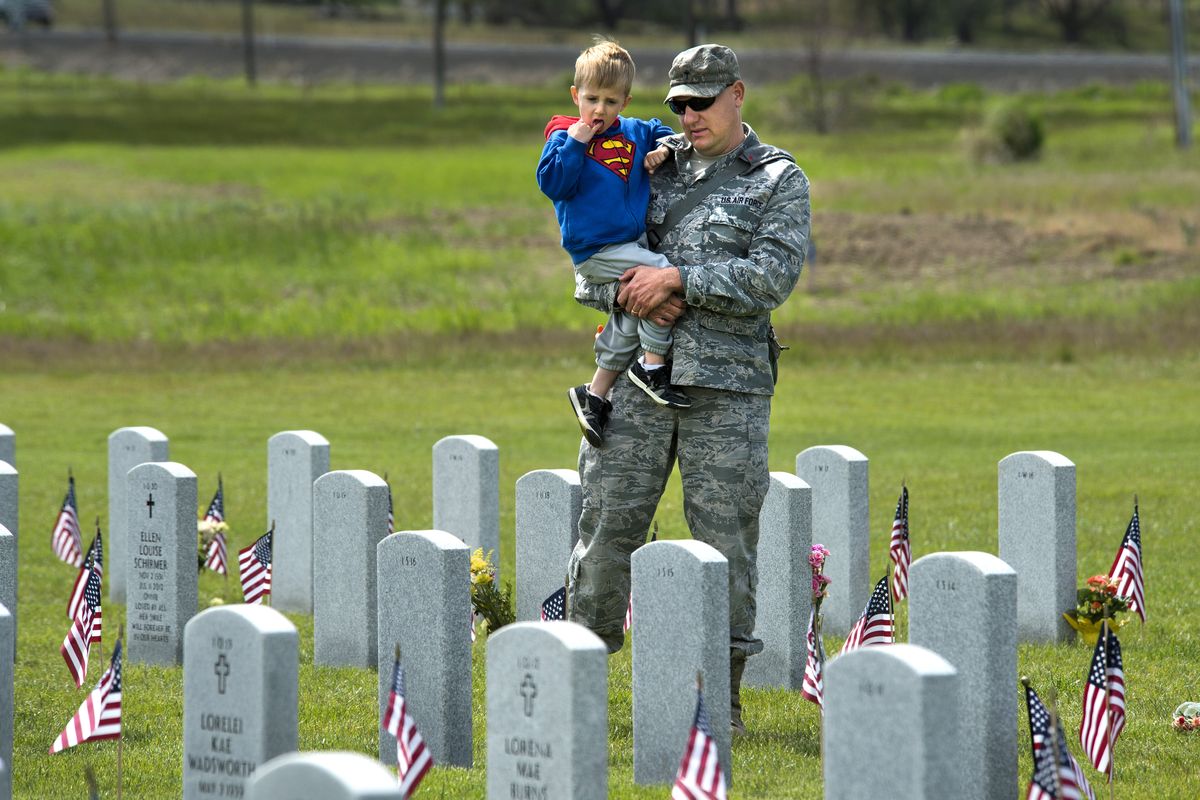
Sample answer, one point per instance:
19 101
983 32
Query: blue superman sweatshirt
600 189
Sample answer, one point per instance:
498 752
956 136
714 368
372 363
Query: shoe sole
650 393
589 433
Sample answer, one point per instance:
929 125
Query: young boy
595 169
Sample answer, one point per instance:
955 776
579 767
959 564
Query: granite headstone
127 447
871 691
160 561
349 519
8 644
680 627
549 502
240 697
323 776
424 604
466 491
784 584
295 459
9 496
841 522
963 606
8 444
8 573
1037 539
547 712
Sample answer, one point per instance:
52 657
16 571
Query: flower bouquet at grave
489 602
1097 601
206 531
1186 717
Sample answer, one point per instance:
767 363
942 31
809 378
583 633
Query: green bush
1017 128
1010 132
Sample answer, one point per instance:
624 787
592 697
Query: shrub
1010 132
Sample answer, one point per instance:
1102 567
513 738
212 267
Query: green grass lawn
1127 423
224 264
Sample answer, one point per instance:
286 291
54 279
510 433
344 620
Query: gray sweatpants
617 343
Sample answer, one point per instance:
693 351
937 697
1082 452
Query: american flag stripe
874 627
77 646
100 715
67 539
217 554
700 776
900 549
1072 783
813 687
254 567
413 758
628 615
1103 713
1127 567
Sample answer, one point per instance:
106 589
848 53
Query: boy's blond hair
605 65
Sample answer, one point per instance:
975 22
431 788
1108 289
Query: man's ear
739 93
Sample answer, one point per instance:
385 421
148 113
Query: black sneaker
591 412
657 384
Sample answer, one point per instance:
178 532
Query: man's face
717 129
599 104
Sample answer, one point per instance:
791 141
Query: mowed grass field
223 264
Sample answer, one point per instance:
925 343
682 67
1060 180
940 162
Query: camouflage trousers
721 446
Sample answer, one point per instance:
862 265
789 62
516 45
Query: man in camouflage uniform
736 256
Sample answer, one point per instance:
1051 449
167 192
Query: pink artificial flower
816 557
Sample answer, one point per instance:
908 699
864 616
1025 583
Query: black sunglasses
694 103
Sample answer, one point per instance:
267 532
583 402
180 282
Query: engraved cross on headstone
528 691
221 668
150 505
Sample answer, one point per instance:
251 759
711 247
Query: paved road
166 56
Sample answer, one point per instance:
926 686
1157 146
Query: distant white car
18 13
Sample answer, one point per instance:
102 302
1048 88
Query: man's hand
656 157
644 289
669 312
584 131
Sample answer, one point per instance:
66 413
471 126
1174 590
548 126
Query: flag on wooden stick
67 539
87 618
254 567
1127 567
215 515
413 758
900 549
100 715
1056 773
875 624
1103 702
813 687
700 776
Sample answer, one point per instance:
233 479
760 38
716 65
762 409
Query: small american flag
67 540
254 566
217 552
1103 702
901 548
875 624
813 688
700 776
1071 783
1127 567
86 625
94 561
100 715
554 607
413 759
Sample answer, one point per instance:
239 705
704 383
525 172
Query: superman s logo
614 152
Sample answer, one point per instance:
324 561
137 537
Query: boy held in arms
595 168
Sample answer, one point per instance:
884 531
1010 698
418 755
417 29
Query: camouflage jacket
739 255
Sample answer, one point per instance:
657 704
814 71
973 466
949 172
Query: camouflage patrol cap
703 71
